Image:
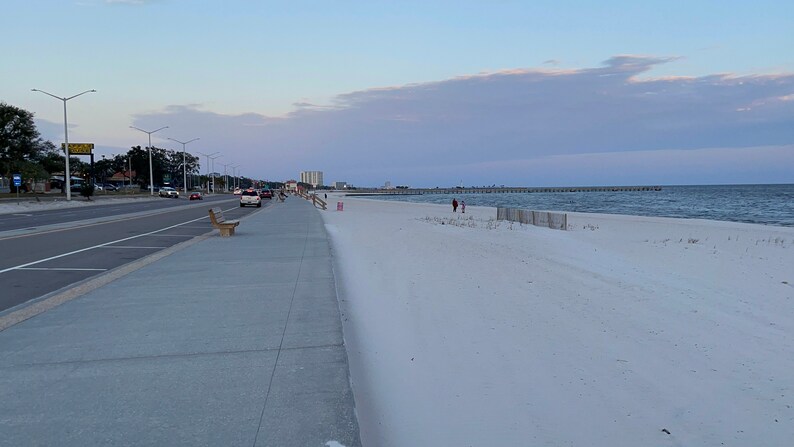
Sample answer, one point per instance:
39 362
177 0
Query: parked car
167 191
266 194
196 196
250 197
108 187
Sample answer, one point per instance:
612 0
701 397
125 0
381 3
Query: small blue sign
17 180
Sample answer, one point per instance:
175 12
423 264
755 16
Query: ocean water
762 204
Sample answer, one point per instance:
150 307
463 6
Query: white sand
606 335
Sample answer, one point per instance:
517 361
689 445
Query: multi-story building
314 178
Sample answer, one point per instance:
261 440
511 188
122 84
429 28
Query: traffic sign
79 148
17 180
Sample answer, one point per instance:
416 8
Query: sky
426 94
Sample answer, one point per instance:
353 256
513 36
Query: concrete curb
54 299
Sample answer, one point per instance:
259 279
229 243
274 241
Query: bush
87 190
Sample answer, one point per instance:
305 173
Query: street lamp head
183 142
146 131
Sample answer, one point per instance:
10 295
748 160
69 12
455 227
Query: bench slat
226 227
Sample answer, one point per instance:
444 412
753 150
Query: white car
167 191
250 197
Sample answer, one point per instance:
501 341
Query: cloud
635 64
47 128
429 133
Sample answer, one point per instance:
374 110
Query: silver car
167 191
250 197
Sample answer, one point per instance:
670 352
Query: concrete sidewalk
231 342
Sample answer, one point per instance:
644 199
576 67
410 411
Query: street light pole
67 175
151 171
208 168
226 175
213 171
234 173
184 163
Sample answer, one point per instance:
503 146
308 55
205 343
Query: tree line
23 151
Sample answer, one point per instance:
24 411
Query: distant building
387 185
121 177
314 178
291 185
340 185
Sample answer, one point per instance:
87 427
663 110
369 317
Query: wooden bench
226 227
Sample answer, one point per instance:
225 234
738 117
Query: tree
31 171
50 158
19 139
172 164
140 164
120 163
165 164
103 169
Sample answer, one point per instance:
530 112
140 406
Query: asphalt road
37 263
36 219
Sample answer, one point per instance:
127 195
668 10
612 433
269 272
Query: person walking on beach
454 205
462 206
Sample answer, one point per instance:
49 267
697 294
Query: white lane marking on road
24 215
68 269
172 235
100 245
132 246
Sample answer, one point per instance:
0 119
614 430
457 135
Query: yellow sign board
79 148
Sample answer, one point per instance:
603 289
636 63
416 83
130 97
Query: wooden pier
498 190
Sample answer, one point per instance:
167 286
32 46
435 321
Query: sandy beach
621 331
